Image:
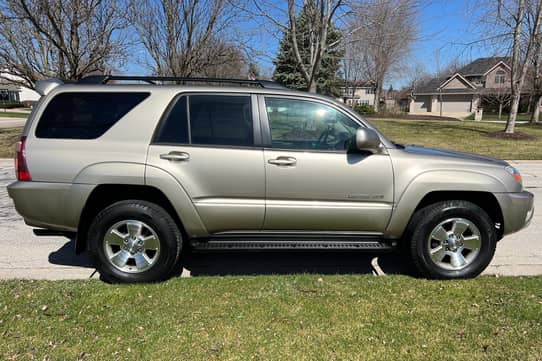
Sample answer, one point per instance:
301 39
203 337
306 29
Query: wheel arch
104 195
485 200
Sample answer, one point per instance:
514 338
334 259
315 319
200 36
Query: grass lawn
504 116
297 317
464 136
9 114
8 138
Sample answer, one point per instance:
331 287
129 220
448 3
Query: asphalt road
27 256
11 122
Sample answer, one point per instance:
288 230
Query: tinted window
300 124
174 128
220 120
85 115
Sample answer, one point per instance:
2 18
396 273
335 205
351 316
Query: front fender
410 196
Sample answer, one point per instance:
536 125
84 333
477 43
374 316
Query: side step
301 244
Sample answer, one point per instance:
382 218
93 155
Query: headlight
515 173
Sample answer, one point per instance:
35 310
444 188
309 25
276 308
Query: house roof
10 87
357 83
461 79
481 66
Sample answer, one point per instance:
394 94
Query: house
356 93
460 94
13 92
9 92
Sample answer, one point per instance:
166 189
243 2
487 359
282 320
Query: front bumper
517 210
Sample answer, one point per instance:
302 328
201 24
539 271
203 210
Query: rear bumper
517 210
55 206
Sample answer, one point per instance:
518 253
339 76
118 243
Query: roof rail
104 79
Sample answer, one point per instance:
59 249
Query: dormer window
500 77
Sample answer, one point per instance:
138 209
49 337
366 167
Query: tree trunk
535 116
511 122
313 86
500 111
376 106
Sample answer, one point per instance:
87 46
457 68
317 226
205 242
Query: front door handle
175 156
283 161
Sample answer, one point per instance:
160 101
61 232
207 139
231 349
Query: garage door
456 103
421 104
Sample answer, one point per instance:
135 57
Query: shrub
11 105
364 109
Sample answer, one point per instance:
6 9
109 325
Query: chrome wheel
131 246
454 243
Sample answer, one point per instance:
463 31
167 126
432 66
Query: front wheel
452 239
134 241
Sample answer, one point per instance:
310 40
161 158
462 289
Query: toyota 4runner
137 172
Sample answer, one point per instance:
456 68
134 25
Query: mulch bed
512 136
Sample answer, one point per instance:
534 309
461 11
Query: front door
206 141
312 182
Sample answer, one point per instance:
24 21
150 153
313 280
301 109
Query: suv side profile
135 173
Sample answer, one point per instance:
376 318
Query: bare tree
55 38
320 13
386 31
500 97
513 24
536 80
351 63
277 19
183 37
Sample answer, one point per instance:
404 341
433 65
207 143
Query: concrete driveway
27 256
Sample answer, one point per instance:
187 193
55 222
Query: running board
301 244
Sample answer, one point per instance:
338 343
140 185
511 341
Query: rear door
206 141
313 183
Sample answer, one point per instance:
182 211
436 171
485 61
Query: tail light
21 169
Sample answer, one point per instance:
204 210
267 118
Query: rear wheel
134 241
452 239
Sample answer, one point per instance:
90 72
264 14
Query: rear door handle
283 161
175 156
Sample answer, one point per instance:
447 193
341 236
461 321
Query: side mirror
367 138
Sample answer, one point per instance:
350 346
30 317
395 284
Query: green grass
8 138
464 136
504 116
297 317
8 114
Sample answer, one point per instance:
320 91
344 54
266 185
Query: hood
457 155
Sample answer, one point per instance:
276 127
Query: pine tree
287 70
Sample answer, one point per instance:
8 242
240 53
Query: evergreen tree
287 71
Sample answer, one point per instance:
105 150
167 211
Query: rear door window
85 115
208 120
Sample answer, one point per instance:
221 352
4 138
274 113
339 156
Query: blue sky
446 26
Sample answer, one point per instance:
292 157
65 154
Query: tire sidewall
153 216
465 210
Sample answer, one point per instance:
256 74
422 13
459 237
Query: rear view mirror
367 138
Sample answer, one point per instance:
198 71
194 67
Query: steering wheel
323 140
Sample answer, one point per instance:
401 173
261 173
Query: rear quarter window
82 115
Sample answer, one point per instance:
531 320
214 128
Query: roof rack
104 79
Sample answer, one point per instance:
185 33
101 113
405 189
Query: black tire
156 219
427 219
